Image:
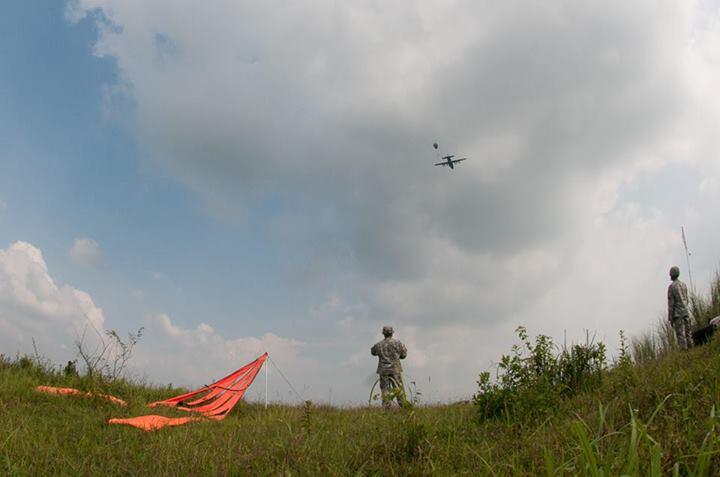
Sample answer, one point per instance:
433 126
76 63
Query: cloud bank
576 117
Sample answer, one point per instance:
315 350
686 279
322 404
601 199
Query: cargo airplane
449 161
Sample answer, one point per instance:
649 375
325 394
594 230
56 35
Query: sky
240 177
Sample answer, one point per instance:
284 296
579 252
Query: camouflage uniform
389 352
679 312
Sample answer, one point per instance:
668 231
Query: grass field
657 418
653 412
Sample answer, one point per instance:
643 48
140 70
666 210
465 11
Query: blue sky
245 178
86 178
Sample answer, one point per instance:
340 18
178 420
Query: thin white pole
687 257
266 383
693 311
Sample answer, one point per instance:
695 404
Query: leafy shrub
534 376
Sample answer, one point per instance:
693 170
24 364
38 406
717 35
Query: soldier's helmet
674 272
387 331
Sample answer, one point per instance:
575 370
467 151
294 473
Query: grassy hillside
656 418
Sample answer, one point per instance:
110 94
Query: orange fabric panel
236 381
226 401
214 388
153 421
77 392
214 401
222 395
226 408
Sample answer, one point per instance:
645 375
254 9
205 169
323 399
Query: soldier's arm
403 351
671 303
373 350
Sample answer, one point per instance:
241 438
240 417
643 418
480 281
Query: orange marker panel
77 392
153 422
214 401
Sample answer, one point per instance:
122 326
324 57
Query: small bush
107 361
534 376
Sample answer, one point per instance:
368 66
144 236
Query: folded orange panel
152 422
77 392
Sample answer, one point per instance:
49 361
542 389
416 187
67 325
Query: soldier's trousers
390 387
682 332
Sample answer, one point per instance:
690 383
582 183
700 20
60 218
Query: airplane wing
458 160
441 164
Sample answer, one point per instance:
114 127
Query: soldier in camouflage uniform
679 309
389 352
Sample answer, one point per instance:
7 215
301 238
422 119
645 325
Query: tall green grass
707 307
653 418
653 412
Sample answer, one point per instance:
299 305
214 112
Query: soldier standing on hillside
389 352
679 309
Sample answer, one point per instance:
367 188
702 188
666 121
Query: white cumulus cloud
32 306
85 251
